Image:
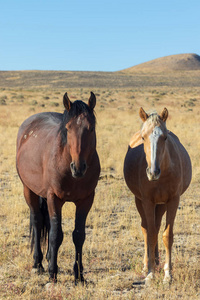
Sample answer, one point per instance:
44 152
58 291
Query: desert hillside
179 62
172 71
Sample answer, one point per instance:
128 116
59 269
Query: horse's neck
166 161
61 154
170 155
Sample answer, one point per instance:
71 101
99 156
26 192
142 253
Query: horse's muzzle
78 171
153 175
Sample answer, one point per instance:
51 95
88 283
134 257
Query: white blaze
154 137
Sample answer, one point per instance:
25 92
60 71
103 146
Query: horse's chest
69 189
160 196
161 193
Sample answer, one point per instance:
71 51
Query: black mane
78 107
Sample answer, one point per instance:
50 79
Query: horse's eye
142 138
92 129
165 138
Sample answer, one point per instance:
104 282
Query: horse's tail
44 221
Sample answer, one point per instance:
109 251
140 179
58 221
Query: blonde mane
155 119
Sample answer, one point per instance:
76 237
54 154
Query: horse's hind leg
36 224
82 209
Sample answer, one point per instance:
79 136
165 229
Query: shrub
34 102
55 104
3 101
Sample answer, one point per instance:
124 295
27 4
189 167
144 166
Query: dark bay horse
57 162
157 170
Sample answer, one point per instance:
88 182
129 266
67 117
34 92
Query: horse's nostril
72 166
153 174
84 166
79 170
157 171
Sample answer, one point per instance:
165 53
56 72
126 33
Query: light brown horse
157 170
57 162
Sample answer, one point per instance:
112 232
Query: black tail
45 223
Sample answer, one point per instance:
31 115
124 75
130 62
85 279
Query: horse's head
154 135
79 126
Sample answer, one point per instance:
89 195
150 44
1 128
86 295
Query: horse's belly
30 171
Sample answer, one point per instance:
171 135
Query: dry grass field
113 250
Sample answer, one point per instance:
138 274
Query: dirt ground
113 250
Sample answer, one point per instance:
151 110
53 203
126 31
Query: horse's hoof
80 281
53 279
168 277
149 279
49 286
34 271
37 270
167 280
40 270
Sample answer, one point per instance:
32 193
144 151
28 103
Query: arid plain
113 250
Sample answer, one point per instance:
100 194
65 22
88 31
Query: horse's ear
164 115
143 115
67 103
92 101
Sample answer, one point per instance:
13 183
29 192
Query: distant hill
181 70
179 62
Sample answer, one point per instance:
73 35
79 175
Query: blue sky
94 35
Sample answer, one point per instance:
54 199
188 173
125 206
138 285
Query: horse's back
40 121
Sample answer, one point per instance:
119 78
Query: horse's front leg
55 234
159 212
168 236
140 209
82 208
152 237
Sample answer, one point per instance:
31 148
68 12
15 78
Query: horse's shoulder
173 136
136 140
176 143
178 147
